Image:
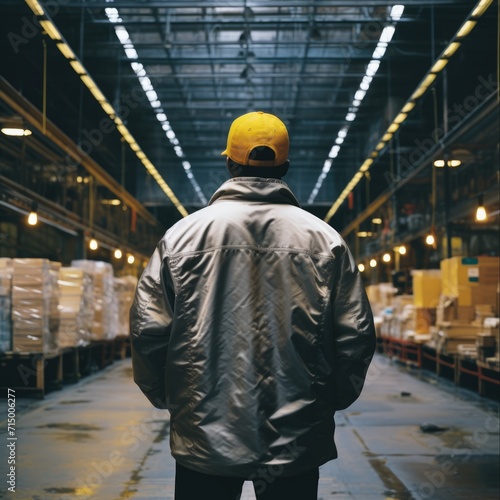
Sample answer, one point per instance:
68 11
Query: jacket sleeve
353 331
150 326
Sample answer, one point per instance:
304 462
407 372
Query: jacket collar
255 189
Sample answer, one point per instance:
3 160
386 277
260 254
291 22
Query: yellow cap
257 129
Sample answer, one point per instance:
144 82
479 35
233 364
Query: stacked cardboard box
471 280
403 321
380 296
469 297
104 325
75 307
34 302
124 292
426 298
427 284
5 304
486 345
452 334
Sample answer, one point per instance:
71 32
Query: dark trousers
191 485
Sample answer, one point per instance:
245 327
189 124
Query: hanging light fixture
386 257
361 267
402 250
33 217
93 245
450 163
481 214
14 127
430 240
118 254
373 263
130 258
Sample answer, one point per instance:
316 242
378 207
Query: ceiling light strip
88 81
422 87
372 68
123 36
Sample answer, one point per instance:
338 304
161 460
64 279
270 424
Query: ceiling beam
170 4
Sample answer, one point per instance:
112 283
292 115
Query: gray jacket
251 325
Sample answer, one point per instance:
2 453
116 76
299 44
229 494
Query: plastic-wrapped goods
76 307
34 306
104 325
5 304
124 292
54 304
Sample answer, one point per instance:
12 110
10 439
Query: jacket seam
179 292
252 247
142 310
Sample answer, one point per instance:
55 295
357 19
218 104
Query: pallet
463 370
35 374
121 346
31 374
402 350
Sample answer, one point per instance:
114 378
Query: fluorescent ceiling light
108 108
400 118
372 67
379 51
50 29
407 108
360 94
466 28
387 34
371 70
66 51
35 7
15 131
451 49
428 80
334 151
481 8
393 127
77 66
439 65
397 12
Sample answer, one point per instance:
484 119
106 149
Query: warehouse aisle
101 439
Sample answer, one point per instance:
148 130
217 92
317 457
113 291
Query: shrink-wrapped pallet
124 292
5 304
104 325
34 306
75 307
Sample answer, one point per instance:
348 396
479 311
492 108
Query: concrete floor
101 439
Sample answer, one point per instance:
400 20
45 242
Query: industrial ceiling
177 73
